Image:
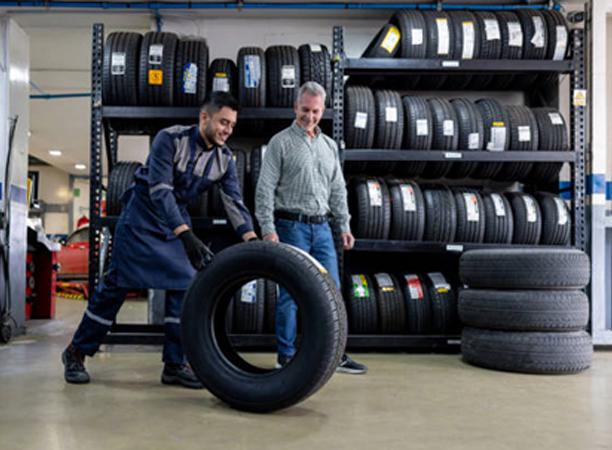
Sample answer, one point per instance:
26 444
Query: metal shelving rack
575 67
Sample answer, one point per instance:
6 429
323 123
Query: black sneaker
74 369
282 361
180 374
347 365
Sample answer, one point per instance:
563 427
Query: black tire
211 355
361 304
527 218
470 215
471 136
535 33
553 136
496 135
120 69
249 308
190 72
222 76
523 137
315 63
359 118
271 297
440 38
418 133
152 90
283 66
525 352
370 207
413 43
119 180
391 307
407 211
466 46
524 310
256 159
443 303
512 44
525 269
389 120
385 44
440 214
556 220
251 77
499 220
558 35
445 135
490 45
418 309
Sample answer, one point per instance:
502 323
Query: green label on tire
360 286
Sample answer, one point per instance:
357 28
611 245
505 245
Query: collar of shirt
302 132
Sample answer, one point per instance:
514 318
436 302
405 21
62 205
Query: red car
73 258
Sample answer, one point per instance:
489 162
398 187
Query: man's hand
249 236
272 237
348 241
199 254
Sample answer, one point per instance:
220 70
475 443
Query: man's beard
210 135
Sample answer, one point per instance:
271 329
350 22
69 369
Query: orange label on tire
156 77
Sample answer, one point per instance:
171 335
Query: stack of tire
119 180
384 120
525 311
253 308
398 209
467 35
400 303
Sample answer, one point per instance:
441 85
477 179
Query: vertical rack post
338 89
578 127
95 166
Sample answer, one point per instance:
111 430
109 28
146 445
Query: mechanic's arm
269 177
339 206
237 212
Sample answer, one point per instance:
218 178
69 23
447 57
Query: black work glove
199 254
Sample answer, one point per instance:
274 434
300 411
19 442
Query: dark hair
214 101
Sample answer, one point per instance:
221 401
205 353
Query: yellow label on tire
156 77
391 39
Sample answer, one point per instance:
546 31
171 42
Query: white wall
53 187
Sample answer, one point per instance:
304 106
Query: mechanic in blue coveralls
154 246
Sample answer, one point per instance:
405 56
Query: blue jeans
318 241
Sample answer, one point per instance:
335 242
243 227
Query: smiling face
308 111
216 128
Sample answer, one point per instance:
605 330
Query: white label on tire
498 139
561 44
538 35
415 289
361 120
220 83
252 71
288 77
391 114
515 34
555 118
190 78
471 206
408 197
468 40
443 36
524 133
417 36
530 206
473 141
492 31
360 286
315 48
264 148
156 54
498 204
439 282
562 214
454 248
422 127
448 127
385 282
248 294
375 193
118 63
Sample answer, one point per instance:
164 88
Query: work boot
74 369
347 365
180 374
282 361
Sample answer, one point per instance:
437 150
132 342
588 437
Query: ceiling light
80 166
55 152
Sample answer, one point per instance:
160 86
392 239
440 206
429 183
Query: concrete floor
404 402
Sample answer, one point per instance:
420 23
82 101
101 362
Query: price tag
252 71
561 43
474 141
515 34
439 282
538 35
562 214
391 114
415 288
375 193
471 206
156 54
555 118
443 36
498 139
248 293
468 40
408 197
315 48
288 77
391 39
360 286
492 31
580 97
361 119
530 206
385 283
524 133
417 36
450 63
422 127
498 204
190 78
448 127
454 248
118 63
453 155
